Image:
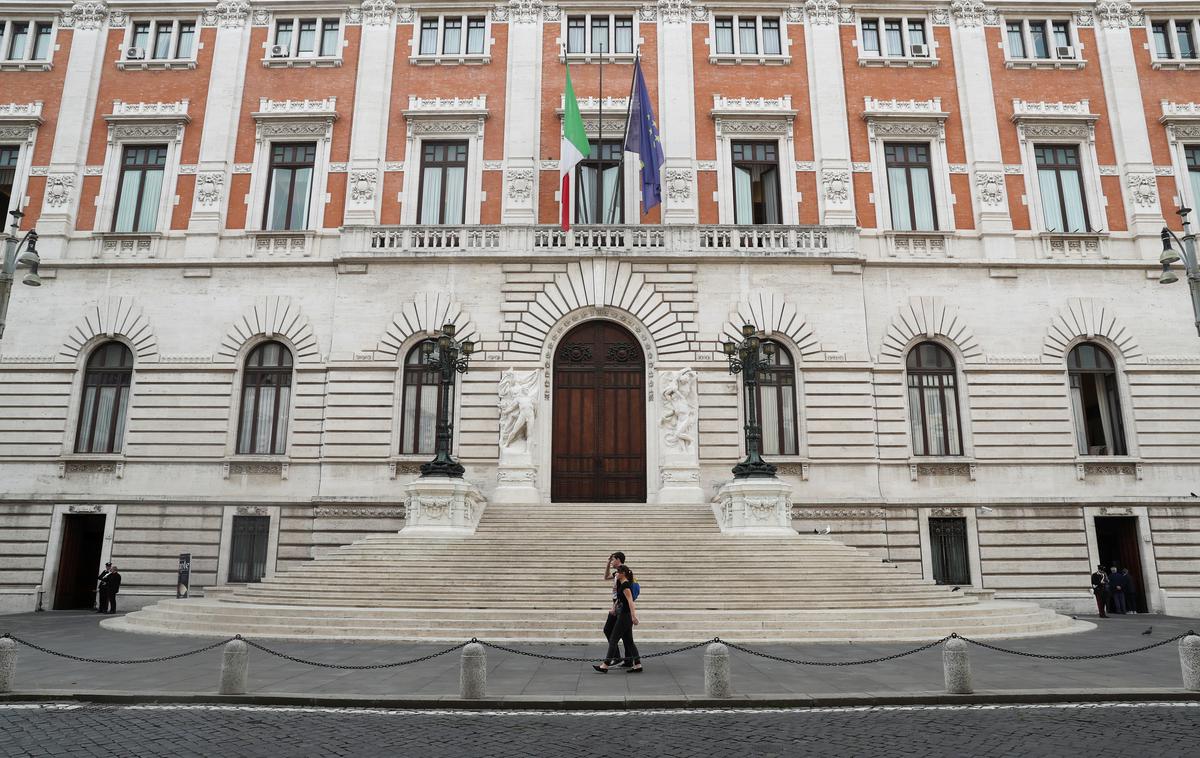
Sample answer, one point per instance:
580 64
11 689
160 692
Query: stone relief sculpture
681 405
518 410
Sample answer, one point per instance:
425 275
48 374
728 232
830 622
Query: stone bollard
956 666
8 663
235 668
1189 661
716 671
472 678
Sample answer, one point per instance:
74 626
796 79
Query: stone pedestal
680 484
679 408
442 506
756 506
516 479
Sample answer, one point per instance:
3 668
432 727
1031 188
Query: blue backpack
635 589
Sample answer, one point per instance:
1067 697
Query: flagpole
624 139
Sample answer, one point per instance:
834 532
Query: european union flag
642 138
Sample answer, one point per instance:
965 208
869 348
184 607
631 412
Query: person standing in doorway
623 628
1131 593
113 584
615 561
101 589
1116 586
1100 590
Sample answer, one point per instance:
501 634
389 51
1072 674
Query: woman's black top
622 600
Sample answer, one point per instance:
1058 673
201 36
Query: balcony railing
674 239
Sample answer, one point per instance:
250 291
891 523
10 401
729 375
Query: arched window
777 404
105 399
421 401
266 392
1095 401
933 401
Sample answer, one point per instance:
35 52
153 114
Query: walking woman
623 628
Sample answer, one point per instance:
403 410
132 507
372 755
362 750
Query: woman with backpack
626 619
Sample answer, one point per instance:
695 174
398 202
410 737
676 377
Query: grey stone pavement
1060 731
680 675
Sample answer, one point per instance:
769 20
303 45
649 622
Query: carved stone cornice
85 15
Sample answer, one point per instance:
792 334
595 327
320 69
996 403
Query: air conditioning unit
134 54
1065 52
920 51
279 51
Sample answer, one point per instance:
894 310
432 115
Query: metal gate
248 548
948 541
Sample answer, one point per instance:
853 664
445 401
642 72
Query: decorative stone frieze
755 507
520 185
1143 189
821 12
378 12
210 188
228 14
1118 14
835 186
85 16
59 188
918 469
838 514
678 184
355 512
362 186
442 506
990 186
946 512
524 11
798 470
973 13
254 468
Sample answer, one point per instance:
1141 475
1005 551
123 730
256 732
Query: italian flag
574 147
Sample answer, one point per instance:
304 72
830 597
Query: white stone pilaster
981 133
372 96
1127 118
522 109
677 119
827 96
231 51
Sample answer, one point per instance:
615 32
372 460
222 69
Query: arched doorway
599 416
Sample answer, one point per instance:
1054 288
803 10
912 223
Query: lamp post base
442 506
759 506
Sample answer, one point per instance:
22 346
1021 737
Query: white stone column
223 106
68 154
981 132
372 95
677 113
679 449
1127 119
827 95
522 112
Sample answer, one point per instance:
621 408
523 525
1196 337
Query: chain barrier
1087 657
352 666
861 662
570 659
84 659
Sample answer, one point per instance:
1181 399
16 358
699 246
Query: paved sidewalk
676 676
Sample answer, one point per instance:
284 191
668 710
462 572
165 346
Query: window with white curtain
421 400
894 38
139 190
910 186
747 36
756 185
1040 39
266 394
307 38
777 404
600 33
1095 401
443 192
289 177
600 191
933 401
1060 181
452 36
9 156
104 403
25 41
1174 39
1191 155
164 39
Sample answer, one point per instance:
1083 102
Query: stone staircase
534 574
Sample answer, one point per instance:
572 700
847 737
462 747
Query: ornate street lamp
748 357
1187 246
13 258
449 357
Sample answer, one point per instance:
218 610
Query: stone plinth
442 505
756 506
516 479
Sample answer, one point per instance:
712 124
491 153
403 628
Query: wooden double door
599 440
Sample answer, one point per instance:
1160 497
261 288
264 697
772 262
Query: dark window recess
248 548
8 179
933 401
777 404
756 183
422 400
105 399
599 189
289 186
948 546
1095 401
266 393
443 194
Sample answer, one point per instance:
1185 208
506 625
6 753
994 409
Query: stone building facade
929 207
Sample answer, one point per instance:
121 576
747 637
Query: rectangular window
1162 39
910 186
755 35
41 41
140 188
756 183
1016 40
599 193
1192 154
18 41
870 36
249 536
916 34
599 34
443 188
187 40
25 40
892 32
308 37
948 548
623 34
452 36
289 184
577 34
1060 179
1040 39
476 28
1040 43
1186 43
161 40
429 35
1062 34
8 179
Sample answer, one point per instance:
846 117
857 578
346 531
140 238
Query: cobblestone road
1159 730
